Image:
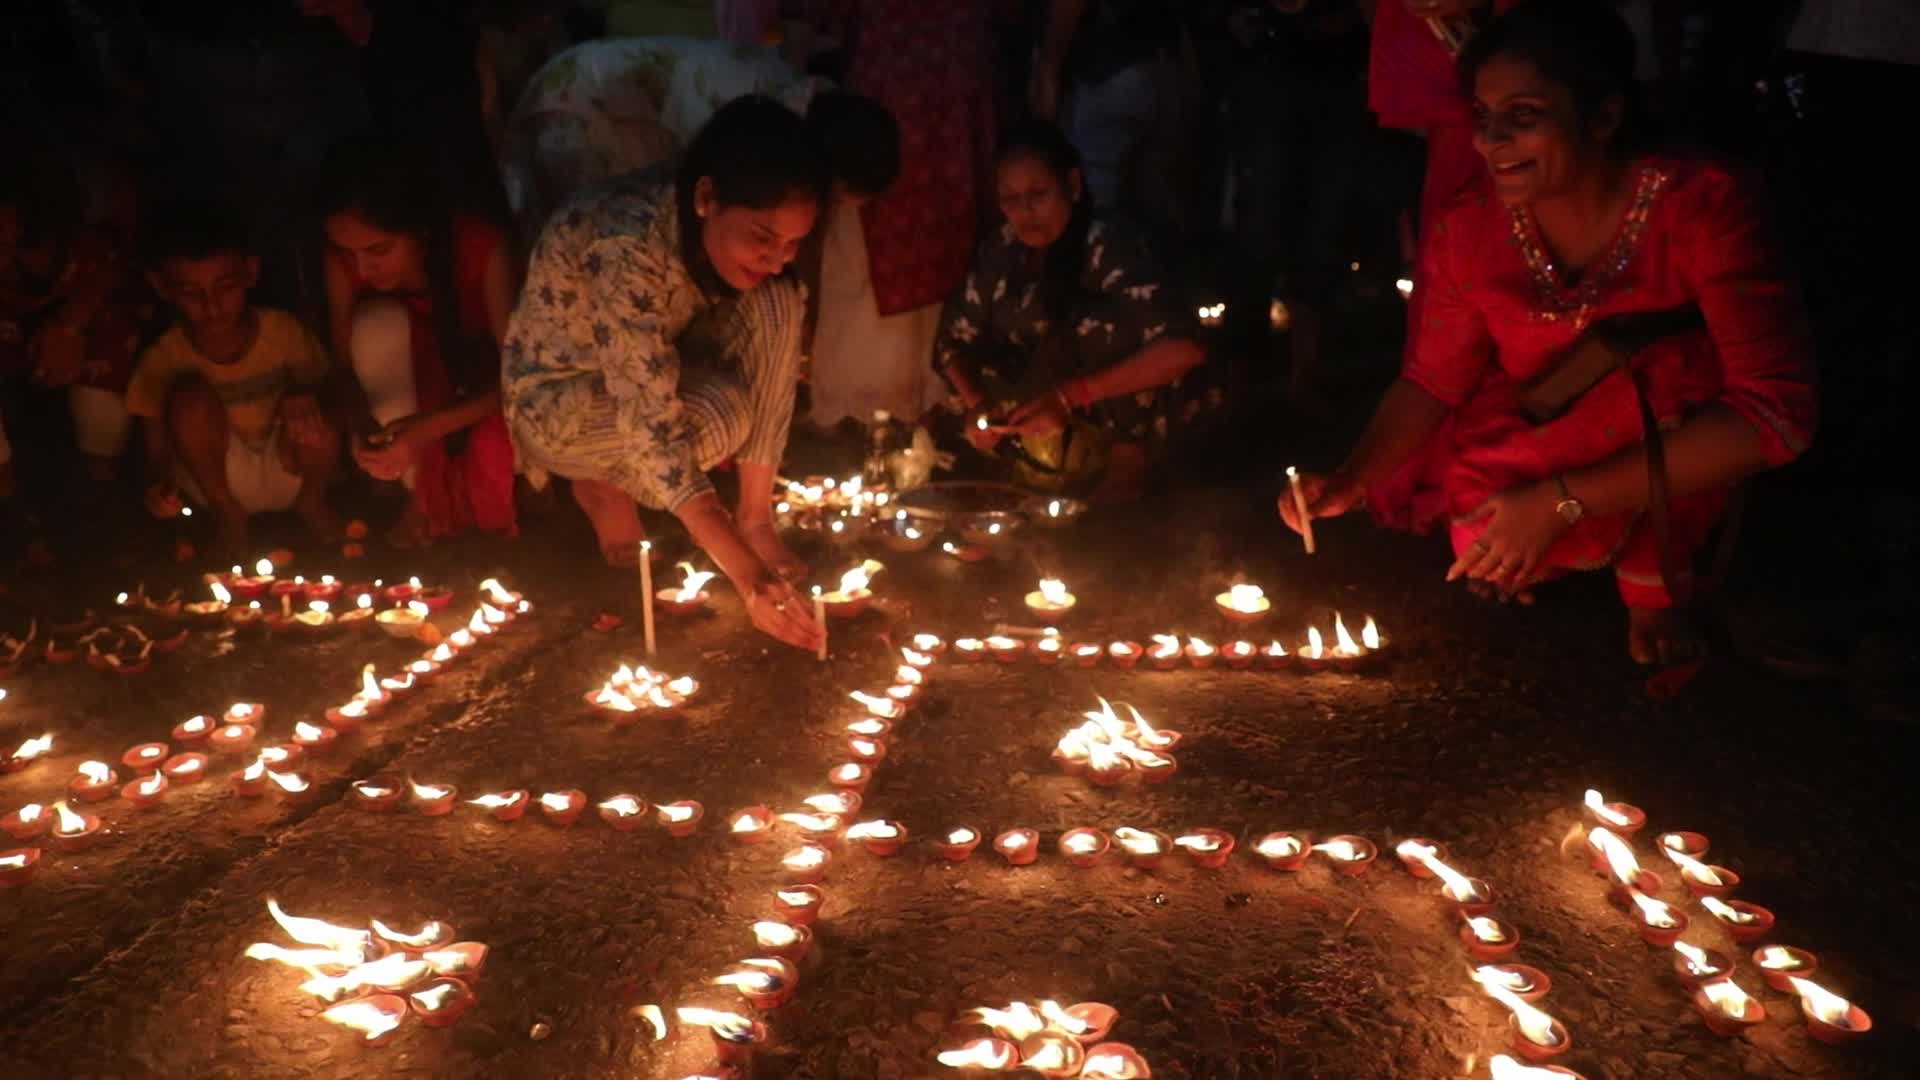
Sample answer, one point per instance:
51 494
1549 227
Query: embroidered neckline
1554 300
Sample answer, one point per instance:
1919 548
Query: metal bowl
989 526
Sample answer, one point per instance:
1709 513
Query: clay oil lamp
989 527
1201 653
1107 766
1243 604
348 717
692 595
1414 851
1145 848
880 837
1778 964
956 845
145 794
868 727
1048 649
1017 1021
72 830
207 613
680 818
751 825
246 616
399 685
432 800
1830 1017
30 822
313 738
432 935
969 650
288 592
1624 819
1006 649
17 866
244 712
1051 599
26 753
563 808
1166 652
1053 513
1020 847
360 614
1694 965
916 659
1154 767
1084 847
1621 865
283 757
502 597
1727 1009
421 672
1240 655
1348 654
255 585
144 757
806 864
904 535
981 1055
1500 1066
853 595
402 622
929 644
1660 923
94 782
375 1018
442 1001
841 803
866 749
623 812
908 675
1284 851
1470 895
1746 922
1274 656
967 553
1052 1054
377 794
1125 654
1700 878
1351 855
1114 1061
464 960
735 1037
1086 654
193 731
1087 1022
1523 981
850 775
880 705
1488 938
772 937
1686 843
436 597
290 783
799 904
1536 1036
504 805
823 829
232 738
399 593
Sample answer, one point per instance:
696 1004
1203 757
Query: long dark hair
758 153
1066 257
1584 45
387 186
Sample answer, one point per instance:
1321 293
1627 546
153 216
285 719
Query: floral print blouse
997 324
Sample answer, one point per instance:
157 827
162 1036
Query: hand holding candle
1303 519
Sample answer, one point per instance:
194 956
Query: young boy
227 394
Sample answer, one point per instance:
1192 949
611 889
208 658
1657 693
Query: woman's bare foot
764 539
615 519
1661 636
411 531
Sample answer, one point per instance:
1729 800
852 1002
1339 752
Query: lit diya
188 768
317 617
442 1001
313 738
680 818
30 822
1686 843
853 594
1351 855
784 940
93 782
692 596
806 864
17 866
984 1054
377 794
1240 655
1660 923
26 753
1243 604
1700 878
1166 651
1694 965
969 650
1284 851
818 828
1020 847
1145 848
1207 848
956 845
1746 922
145 794
1471 895
904 535
1086 654
563 808
209 612
403 622
1830 1017
504 805
799 904
1114 1061
376 1017
1052 1055
1536 1036
250 782
72 830
851 775
1274 656
623 812
1618 861
1005 649
232 738
145 756
1488 938
880 837
1200 652
1622 818
193 731
1051 598
1781 964
1523 981
360 614
1727 1009
929 644
842 803
1048 649
1084 847
735 1037
751 825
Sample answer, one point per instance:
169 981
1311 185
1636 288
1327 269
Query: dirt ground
1482 732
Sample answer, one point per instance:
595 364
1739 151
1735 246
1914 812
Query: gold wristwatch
1570 509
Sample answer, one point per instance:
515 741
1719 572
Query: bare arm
1158 364
1403 420
1715 448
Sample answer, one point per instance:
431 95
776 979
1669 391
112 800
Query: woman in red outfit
418 298
1581 227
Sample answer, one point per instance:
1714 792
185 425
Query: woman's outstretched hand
1043 416
1521 524
779 611
1327 495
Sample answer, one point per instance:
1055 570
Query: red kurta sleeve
1753 310
1449 348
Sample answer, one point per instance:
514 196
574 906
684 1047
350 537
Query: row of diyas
1170 651
562 807
1044 1038
375 978
1726 1007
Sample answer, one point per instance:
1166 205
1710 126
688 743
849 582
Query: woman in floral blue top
1065 328
656 337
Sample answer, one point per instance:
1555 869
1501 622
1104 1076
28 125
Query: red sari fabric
931 63
1493 319
474 488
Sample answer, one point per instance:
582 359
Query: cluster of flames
631 689
1110 749
826 492
1047 1039
1344 646
373 978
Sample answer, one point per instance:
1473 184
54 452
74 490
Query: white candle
646 592
1300 507
820 616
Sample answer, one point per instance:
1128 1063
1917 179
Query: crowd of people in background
458 247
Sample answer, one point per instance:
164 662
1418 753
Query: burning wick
1536 1026
1699 964
1729 998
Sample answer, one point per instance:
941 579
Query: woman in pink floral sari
1583 227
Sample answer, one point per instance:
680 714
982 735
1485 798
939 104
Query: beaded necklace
1553 300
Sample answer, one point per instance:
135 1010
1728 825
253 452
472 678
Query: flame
813 823
1830 1007
67 823
1693 867
1052 1054
758 975
858 578
263 568
804 857
622 805
1344 645
772 934
1502 1067
364 602
1063 1020
1344 850
308 931
1619 856
434 998
372 790
993 1055
908 675
1486 930
797 898
220 593
1081 843
1053 508
194 725
1165 646
461 638
1495 975
275 755
677 812
850 773
1201 842
151 785
1275 649
391 970
428 934
962 836
1606 813
1278 847
1534 1024
556 801
1773 957
656 1020
1017 1021
29 812
1200 647
1656 913
460 959
96 772
256 770
429 792
365 1017
319 607
1726 912
311 961
441 653
1014 840
1316 648
497 593
968 644
832 802
308 732
1001 643
1054 592
692 582
1727 996
1698 962
747 823
477 625
370 686
291 783
1370 635
1112 1066
497 802
1248 598
884 707
1457 885
1137 841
